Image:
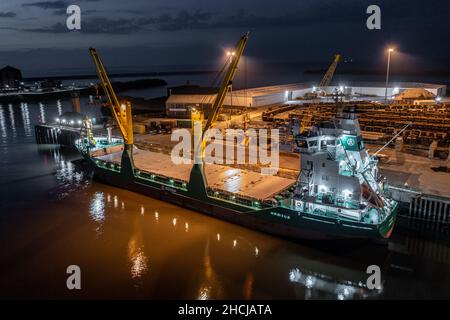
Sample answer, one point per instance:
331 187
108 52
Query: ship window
323 164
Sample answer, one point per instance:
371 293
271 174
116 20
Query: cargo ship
339 193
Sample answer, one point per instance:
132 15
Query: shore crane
328 76
121 111
320 91
197 183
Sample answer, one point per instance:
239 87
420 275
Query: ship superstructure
338 177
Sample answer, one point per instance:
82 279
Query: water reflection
42 113
59 107
70 178
26 118
2 123
137 258
210 287
317 285
97 207
12 120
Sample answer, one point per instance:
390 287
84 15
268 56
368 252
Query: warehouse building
377 89
10 77
182 100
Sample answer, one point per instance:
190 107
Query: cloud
8 14
163 22
47 4
182 20
58 4
95 26
63 11
329 13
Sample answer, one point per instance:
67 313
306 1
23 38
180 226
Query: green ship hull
276 220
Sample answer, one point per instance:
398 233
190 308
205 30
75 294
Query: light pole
387 74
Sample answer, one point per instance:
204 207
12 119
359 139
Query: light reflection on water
129 245
97 208
138 260
12 120
2 124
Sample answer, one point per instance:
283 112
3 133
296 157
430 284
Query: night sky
160 34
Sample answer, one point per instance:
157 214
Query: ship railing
113 166
161 179
237 198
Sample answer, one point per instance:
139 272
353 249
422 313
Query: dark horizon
152 36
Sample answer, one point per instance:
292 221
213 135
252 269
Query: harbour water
53 214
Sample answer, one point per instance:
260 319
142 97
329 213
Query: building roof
396 84
415 93
262 91
191 98
9 68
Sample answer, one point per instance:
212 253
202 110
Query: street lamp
387 74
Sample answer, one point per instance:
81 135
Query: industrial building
182 100
10 77
378 89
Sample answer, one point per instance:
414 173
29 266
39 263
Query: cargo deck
219 177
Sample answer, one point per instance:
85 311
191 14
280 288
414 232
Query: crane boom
120 111
223 90
226 82
329 74
197 181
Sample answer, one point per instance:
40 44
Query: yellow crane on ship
121 111
197 182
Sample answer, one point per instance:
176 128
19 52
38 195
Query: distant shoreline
117 75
